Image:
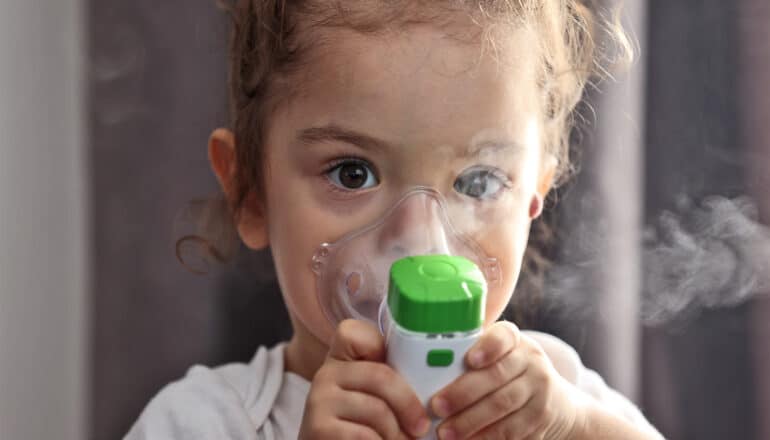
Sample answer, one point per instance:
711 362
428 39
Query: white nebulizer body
408 352
434 314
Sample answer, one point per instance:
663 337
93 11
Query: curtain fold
754 89
44 219
619 184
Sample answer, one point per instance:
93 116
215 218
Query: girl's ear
544 184
251 221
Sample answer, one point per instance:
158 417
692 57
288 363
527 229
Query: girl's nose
414 227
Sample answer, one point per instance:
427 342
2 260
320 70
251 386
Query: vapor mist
704 255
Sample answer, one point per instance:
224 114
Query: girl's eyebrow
335 133
477 149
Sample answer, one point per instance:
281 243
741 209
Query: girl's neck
304 354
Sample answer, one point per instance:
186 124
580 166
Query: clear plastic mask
442 200
352 272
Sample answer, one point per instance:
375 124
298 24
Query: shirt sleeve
231 402
567 362
200 406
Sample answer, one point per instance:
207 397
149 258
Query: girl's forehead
420 53
420 86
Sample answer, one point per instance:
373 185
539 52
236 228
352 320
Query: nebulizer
416 272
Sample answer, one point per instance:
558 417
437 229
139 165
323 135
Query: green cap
437 294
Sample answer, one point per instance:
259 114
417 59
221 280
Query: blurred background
661 272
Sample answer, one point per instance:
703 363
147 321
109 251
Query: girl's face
374 115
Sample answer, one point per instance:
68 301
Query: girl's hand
355 395
512 391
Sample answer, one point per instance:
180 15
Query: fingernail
446 434
422 427
476 358
441 407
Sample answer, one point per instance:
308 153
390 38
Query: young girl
369 130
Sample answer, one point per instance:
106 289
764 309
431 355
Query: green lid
437 294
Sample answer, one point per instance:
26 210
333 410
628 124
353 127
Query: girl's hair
270 40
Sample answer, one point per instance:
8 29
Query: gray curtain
156 82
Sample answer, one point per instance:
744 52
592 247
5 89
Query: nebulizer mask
352 273
436 203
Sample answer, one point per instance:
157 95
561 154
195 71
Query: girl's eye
351 175
481 183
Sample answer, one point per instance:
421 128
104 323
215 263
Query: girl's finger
499 339
383 382
344 429
357 340
494 407
520 425
367 410
476 384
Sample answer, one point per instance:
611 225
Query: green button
440 358
438 270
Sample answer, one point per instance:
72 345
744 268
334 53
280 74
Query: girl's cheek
506 243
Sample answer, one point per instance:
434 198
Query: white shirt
260 400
